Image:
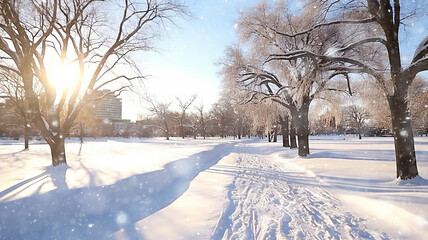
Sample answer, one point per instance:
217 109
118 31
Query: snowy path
263 205
211 189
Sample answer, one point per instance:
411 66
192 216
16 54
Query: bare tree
200 124
357 116
285 130
223 118
377 108
75 32
418 105
293 83
182 117
289 86
12 87
164 115
366 54
85 122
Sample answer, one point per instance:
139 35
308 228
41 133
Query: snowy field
211 189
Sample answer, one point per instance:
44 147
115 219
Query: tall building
109 107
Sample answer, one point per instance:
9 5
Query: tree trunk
269 137
26 136
293 143
240 131
284 131
182 131
82 132
275 134
166 130
403 138
58 151
303 138
302 124
359 132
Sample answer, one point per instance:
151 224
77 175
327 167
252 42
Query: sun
63 76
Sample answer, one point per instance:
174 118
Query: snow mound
416 181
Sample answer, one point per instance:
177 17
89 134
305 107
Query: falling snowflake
121 218
404 133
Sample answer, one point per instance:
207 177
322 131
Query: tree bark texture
403 138
58 151
388 16
301 121
26 136
284 131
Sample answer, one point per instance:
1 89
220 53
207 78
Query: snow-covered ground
211 189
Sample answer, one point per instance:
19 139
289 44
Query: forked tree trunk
58 151
403 138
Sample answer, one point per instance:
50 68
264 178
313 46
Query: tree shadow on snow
97 212
56 175
363 155
362 185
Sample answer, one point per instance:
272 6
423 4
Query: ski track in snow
264 206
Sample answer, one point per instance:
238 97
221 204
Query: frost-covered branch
317 26
362 42
415 68
421 51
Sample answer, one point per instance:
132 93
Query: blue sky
189 50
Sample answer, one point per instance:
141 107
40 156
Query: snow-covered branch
415 68
326 61
362 42
317 26
421 51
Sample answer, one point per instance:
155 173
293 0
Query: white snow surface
212 189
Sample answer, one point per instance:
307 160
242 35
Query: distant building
121 126
109 107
